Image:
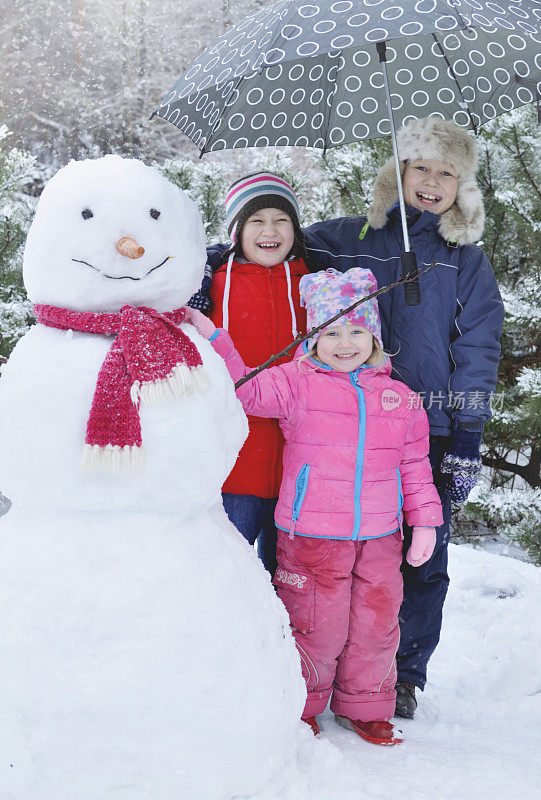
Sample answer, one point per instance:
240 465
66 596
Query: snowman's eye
87 213
154 213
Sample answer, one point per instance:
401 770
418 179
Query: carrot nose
128 247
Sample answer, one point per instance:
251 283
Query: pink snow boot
375 732
312 722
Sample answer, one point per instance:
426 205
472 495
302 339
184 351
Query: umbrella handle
412 290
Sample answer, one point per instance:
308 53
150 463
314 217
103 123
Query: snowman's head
111 232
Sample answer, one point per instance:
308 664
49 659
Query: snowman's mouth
122 277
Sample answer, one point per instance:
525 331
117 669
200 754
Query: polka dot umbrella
327 72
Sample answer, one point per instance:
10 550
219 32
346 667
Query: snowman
143 653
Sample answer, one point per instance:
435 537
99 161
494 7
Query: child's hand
203 325
423 541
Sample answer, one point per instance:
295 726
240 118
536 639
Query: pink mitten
202 324
423 541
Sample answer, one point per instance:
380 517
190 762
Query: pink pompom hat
326 293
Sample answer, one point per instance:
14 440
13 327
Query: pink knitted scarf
149 359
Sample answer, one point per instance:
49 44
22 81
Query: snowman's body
143 653
189 443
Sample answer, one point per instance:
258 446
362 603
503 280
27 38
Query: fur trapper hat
441 140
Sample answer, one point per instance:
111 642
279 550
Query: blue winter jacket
447 348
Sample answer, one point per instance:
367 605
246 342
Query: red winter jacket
260 324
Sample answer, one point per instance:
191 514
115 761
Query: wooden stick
411 276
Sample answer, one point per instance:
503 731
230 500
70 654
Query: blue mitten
461 465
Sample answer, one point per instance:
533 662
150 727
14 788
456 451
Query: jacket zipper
301 485
400 495
360 456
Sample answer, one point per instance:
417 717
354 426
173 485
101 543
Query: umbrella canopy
309 74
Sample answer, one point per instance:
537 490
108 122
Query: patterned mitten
461 465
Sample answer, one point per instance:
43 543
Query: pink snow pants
343 599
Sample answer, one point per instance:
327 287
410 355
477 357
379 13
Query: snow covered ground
476 732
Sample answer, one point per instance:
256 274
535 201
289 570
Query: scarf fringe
113 458
182 380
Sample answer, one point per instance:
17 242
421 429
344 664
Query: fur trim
465 220
439 139
385 194
433 138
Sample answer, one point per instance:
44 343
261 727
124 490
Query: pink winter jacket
356 452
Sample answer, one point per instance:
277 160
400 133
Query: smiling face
345 347
430 185
113 232
267 237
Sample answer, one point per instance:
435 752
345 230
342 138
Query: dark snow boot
405 700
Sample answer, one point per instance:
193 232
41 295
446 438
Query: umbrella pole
408 258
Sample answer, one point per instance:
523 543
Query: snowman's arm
271 393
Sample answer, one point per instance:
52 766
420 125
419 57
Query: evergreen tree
206 183
81 78
17 169
509 501
349 174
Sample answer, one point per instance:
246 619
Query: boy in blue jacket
446 348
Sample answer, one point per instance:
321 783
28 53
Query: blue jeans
254 518
425 588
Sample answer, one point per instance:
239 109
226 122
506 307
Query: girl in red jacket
255 297
355 463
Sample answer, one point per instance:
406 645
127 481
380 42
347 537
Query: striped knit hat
254 192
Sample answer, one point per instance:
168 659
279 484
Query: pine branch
520 156
519 212
458 535
499 228
529 472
